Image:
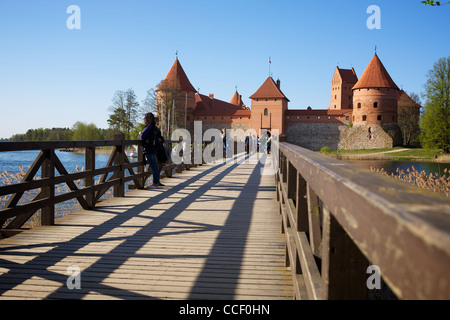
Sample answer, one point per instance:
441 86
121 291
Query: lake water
10 161
391 166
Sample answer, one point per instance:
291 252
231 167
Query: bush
325 150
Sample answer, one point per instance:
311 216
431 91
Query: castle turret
269 105
341 89
375 96
176 88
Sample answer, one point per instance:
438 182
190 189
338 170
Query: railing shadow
129 245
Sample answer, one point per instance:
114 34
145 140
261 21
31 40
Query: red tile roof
269 90
375 76
206 105
177 77
348 75
237 100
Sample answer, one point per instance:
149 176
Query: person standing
149 139
161 155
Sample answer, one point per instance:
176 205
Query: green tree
435 120
85 132
123 111
434 3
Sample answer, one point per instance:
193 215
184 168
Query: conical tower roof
375 76
269 90
237 100
177 78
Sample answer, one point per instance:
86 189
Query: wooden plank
212 233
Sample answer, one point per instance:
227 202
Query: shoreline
440 159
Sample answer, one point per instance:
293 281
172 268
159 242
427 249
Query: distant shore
103 150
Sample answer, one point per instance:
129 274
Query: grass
418 154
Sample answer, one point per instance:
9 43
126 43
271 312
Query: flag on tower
270 60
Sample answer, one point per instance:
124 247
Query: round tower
375 96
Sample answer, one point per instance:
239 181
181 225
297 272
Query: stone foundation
335 136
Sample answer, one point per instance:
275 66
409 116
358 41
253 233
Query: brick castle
362 113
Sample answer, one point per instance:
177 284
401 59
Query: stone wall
315 136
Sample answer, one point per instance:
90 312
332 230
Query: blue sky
51 76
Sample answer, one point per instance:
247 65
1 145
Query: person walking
149 139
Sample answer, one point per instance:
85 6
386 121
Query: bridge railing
97 181
345 225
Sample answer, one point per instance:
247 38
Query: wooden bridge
223 230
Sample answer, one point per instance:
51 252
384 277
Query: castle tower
341 89
237 100
177 89
269 105
375 96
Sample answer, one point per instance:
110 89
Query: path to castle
371 155
214 232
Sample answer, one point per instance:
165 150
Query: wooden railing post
141 167
119 190
343 265
48 172
89 181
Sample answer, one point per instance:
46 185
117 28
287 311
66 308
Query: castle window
379 118
375 104
335 96
347 118
359 105
364 118
335 106
266 112
353 118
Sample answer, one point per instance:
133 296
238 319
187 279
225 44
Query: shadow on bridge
236 228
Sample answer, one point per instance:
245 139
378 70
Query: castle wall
335 136
375 106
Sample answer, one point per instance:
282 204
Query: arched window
364 118
379 118
266 112
375 104
359 105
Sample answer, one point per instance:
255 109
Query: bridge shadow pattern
129 246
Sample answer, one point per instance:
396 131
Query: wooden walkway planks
213 232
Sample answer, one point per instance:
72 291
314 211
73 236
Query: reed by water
433 182
61 209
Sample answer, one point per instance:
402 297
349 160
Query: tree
85 132
434 3
170 107
124 111
408 117
149 104
132 108
435 120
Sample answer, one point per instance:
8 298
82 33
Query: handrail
48 162
340 219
